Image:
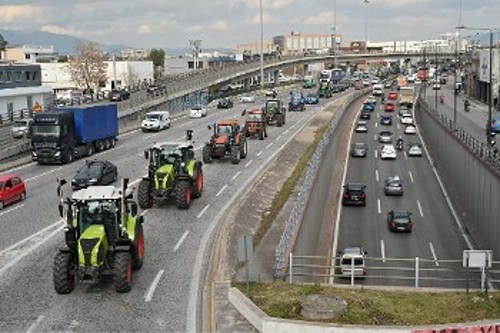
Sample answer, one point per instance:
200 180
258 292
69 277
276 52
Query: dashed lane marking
181 240
202 211
221 190
152 288
236 175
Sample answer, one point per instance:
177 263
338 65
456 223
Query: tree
3 43
158 59
88 67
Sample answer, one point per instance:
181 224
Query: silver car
415 150
359 149
393 186
21 128
385 136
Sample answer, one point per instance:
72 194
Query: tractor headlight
183 164
57 154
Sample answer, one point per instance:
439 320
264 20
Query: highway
166 291
435 234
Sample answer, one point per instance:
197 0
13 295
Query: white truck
378 89
406 96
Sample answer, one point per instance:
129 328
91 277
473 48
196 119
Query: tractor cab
275 112
226 140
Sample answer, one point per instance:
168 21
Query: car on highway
118 95
385 136
247 99
399 220
198 111
392 96
349 258
368 106
365 114
272 92
495 124
389 107
403 109
388 85
361 127
12 189
94 172
436 86
359 149
415 149
312 98
21 128
406 119
225 103
388 152
155 89
354 194
393 186
156 121
366 82
371 99
410 129
386 120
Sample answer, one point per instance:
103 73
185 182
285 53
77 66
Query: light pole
261 46
334 39
366 2
489 132
457 68
195 49
436 74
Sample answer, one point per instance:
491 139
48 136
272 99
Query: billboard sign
484 65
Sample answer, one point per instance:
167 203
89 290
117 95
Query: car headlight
93 180
33 153
57 154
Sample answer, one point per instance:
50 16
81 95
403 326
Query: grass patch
372 307
286 190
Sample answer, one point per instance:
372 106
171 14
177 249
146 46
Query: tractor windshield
224 130
272 107
98 212
256 117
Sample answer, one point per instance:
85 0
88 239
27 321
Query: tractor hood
92 246
221 139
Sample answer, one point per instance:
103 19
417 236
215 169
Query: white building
30 54
447 42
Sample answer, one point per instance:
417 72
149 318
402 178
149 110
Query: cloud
219 25
266 4
194 28
56 29
144 29
320 19
266 18
11 13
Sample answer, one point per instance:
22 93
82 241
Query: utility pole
261 46
113 86
195 51
436 81
457 68
334 40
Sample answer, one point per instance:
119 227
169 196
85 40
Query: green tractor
325 89
103 236
173 172
275 112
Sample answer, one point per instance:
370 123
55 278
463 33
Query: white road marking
150 136
11 209
434 254
181 240
378 114
379 208
411 176
376 175
199 147
203 211
43 174
406 156
34 326
398 126
374 137
420 208
152 288
20 167
259 153
279 137
221 190
236 175
376 125
249 162
269 145
376 154
286 131
382 250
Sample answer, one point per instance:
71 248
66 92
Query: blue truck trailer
65 134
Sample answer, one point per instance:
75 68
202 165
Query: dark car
119 95
95 172
386 120
359 149
155 89
399 220
312 98
354 194
365 114
393 186
225 103
368 106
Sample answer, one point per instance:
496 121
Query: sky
227 23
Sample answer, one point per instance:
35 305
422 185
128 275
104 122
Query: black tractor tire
243 149
262 134
198 182
144 194
69 157
122 272
64 281
183 194
279 123
138 247
207 155
235 154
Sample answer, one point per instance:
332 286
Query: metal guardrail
294 221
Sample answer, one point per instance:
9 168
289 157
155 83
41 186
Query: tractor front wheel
122 272
139 247
207 154
244 149
144 194
261 134
183 194
235 154
198 183
64 281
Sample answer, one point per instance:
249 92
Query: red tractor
227 140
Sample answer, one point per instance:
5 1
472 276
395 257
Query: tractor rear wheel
279 123
122 272
183 194
64 281
198 183
207 154
261 134
244 149
235 154
139 247
144 194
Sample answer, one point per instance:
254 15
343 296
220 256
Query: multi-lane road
166 292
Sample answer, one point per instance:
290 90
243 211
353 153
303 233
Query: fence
403 272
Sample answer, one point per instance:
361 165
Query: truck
308 82
65 134
406 96
402 81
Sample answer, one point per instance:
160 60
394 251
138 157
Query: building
30 54
477 73
254 48
134 54
21 88
296 43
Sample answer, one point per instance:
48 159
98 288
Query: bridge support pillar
246 83
276 74
305 69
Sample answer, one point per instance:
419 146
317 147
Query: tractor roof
255 110
173 144
96 193
229 122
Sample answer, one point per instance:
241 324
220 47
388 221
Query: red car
389 107
392 95
12 189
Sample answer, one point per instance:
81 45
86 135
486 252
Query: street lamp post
366 2
261 46
334 39
489 132
436 75
457 68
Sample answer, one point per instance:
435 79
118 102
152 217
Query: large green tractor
173 172
325 89
103 236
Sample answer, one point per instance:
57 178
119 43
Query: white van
352 262
156 121
378 90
